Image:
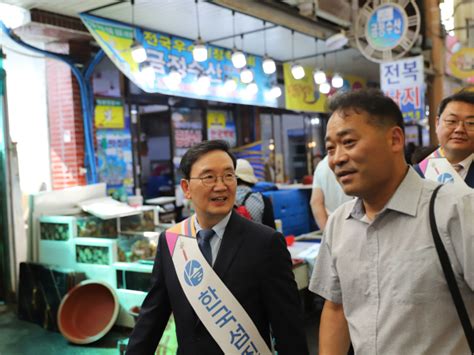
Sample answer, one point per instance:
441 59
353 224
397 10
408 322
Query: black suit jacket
255 265
469 179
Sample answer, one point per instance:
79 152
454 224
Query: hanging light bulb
252 88
173 79
324 88
230 85
147 71
275 91
297 71
199 51
246 76
138 52
268 65
319 77
337 81
238 59
204 82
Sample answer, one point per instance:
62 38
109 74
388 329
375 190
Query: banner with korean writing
114 159
108 113
403 80
220 125
187 128
166 52
303 94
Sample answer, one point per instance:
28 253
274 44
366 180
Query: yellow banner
302 95
462 63
109 114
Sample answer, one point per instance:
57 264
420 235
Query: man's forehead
459 108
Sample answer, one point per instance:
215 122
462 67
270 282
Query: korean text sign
166 52
403 80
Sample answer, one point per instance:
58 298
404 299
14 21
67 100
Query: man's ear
185 187
397 138
437 122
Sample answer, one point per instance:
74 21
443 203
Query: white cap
244 171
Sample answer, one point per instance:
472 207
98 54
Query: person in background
236 274
455 132
327 194
259 207
377 266
246 179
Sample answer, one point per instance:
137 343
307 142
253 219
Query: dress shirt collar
404 200
219 228
466 164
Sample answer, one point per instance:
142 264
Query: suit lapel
231 243
470 176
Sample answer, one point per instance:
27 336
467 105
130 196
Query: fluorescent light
337 81
319 77
138 52
238 59
324 88
297 71
268 65
199 51
246 76
14 16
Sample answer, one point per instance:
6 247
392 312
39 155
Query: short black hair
198 150
462 96
383 111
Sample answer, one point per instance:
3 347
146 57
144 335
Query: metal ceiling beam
278 15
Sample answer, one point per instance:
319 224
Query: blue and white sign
193 273
404 81
167 53
386 27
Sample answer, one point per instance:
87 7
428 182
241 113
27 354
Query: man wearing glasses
455 131
227 280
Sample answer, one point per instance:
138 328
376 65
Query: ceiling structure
178 17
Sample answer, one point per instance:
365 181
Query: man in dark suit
251 260
455 132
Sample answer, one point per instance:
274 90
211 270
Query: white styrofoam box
100 254
133 276
104 273
127 300
95 251
60 252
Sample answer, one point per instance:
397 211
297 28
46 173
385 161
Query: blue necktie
204 241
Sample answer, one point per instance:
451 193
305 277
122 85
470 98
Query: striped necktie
204 242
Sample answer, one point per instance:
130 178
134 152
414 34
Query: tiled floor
23 338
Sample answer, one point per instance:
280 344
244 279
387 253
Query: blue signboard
386 27
168 53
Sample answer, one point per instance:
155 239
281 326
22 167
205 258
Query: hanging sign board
220 125
109 114
384 31
303 94
166 52
461 63
403 81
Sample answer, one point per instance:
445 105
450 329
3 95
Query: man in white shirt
327 194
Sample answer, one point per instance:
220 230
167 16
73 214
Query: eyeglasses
450 123
211 180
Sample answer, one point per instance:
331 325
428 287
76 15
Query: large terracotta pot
87 312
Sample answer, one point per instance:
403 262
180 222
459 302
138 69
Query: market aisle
24 338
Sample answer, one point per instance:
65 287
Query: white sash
219 311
